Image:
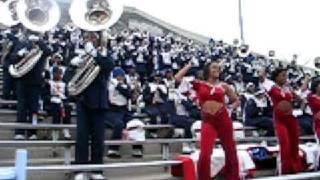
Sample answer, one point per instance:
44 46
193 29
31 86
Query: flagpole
241 22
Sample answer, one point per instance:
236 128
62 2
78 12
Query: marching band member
29 86
258 113
216 121
155 97
92 105
119 94
184 118
302 109
7 60
287 126
264 83
119 97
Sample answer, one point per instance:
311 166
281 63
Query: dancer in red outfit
216 121
287 126
314 103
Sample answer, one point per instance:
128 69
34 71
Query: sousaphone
8 11
38 15
92 15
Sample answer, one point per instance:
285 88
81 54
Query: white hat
135 129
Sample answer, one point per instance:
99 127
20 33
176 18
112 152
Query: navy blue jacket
252 111
96 94
33 77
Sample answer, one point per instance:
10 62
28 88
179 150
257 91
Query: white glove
104 52
77 61
80 52
22 52
33 38
90 49
114 82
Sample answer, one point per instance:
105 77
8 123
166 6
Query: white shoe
55 135
137 153
95 176
66 134
34 119
113 154
19 137
33 137
193 147
186 148
264 143
80 176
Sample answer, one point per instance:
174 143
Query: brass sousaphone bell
99 12
95 15
8 11
92 15
38 15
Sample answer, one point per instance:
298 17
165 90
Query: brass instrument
38 15
8 11
84 76
95 15
92 15
26 64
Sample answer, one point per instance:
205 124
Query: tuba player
29 85
92 105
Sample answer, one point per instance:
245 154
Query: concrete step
146 173
11 116
33 152
58 152
60 160
42 134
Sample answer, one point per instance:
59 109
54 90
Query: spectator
59 107
119 96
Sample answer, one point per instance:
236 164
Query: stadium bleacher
52 159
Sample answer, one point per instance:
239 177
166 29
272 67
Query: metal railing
43 126
301 176
19 172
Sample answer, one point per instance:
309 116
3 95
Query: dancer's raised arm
179 76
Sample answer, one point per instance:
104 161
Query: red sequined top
279 94
314 103
206 92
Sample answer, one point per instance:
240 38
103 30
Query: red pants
287 130
218 126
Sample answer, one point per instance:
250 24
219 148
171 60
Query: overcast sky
287 26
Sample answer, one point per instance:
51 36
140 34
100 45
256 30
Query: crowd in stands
143 79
